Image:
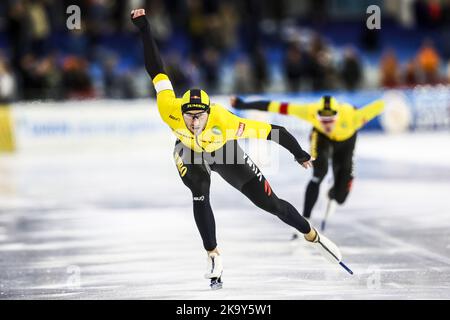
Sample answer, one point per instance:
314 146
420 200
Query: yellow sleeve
304 111
368 112
242 128
252 129
165 96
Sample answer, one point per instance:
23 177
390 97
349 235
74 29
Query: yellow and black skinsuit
216 149
337 143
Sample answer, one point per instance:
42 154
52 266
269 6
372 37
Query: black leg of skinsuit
242 174
342 169
321 148
247 178
195 174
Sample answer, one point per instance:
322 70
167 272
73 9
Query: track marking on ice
383 236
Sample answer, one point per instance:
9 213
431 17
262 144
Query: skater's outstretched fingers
137 13
308 164
232 101
139 19
236 102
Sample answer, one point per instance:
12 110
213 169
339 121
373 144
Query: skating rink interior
90 223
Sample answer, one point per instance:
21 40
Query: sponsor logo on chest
241 129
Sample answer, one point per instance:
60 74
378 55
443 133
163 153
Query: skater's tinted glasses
193 116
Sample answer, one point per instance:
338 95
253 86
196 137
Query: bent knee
318 178
198 188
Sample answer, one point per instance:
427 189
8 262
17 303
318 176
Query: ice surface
119 225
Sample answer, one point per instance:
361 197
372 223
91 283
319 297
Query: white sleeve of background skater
163 85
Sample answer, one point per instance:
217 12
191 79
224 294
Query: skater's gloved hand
138 18
236 102
305 160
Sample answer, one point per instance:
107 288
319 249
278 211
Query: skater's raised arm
368 112
238 103
153 62
302 111
166 99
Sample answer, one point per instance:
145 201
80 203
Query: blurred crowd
222 46
421 69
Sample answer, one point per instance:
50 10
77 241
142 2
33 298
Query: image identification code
232 309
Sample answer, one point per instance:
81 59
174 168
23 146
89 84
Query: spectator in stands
77 83
211 63
214 37
243 81
19 39
325 77
196 25
40 77
428 62
18 26
229 24
351 71
410 74
211 31
434 12
389 70
128 85
49 76
111 79
28 80
317 44
192 69
320 66
259 69
40 26
177 73
295 66
161 26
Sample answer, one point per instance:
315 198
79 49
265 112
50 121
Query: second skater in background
335 125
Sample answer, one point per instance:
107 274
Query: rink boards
113 123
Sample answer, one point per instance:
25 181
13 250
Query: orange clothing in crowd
428 59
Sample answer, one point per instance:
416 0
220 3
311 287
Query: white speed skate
329 250
214 269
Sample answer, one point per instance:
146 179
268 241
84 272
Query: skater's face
195 120
328 123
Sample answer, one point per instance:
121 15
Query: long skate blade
216 284
345 267
322 226
331 208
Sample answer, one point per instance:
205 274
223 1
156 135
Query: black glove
303 157
140 22
238 103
